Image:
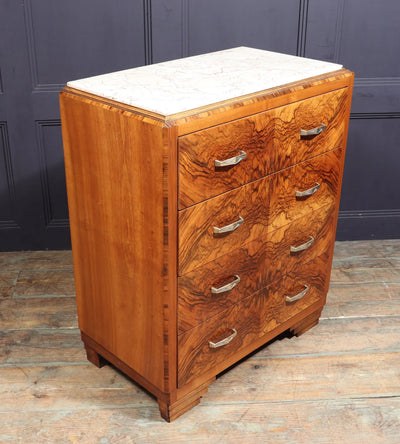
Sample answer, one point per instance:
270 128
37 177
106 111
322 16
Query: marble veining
181 85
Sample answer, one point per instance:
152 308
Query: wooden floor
338 383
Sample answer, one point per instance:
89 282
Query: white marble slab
181 85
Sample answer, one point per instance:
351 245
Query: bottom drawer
202 348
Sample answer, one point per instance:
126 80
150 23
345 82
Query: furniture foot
94 357
305 324
170 411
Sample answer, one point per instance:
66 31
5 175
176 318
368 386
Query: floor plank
360 300
337 383
6 292
388 248
55 312
310 378
36 260
367 309
366 262
361 421
365 275
340 336
340 294
68 388
41 347
45 283
8 279
305 378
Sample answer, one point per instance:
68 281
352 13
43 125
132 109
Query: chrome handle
303 246
298 296
230 227
308 192
313 131
223 341
226 287
232 161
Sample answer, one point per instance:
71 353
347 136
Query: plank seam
328 354
287 401
44 296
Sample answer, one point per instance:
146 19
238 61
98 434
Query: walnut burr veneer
203 197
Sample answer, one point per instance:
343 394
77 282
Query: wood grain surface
117 229
265 205
271 141
252 318
258 264
261 101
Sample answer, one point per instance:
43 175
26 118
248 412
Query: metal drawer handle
232 161
230 227
308 192
223 341
303 246
313 131
298 296
226 287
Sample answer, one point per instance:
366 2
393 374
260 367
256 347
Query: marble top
181 85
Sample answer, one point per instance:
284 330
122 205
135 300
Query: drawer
263 206
255 265
251 318
271 141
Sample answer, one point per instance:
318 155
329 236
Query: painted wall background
44 43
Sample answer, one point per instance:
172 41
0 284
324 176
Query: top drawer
261 144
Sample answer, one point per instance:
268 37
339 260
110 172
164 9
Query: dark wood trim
185 28
365 214
383 115
12 223
302 29
148 32
49 219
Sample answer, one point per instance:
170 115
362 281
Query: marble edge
120 86
233 100
212 105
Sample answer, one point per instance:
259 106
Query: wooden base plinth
94 357
306 323
171 411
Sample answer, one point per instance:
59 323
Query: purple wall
45 43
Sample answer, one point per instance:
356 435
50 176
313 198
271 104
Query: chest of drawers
203 197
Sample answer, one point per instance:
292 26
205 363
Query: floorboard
338 383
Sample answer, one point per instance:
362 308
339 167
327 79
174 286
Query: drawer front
251 318
270 140
206 291
263 206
